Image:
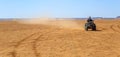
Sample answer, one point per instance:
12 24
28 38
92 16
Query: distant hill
118 17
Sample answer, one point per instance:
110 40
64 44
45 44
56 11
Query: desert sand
63 38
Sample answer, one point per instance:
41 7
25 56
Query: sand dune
59 38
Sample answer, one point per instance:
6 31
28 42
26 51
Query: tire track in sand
34 46
114 28
118 26
37 54
14 52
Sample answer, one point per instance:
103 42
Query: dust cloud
60 23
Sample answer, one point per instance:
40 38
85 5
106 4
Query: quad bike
90 25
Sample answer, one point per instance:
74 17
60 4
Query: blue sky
59 8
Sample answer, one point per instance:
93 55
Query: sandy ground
30 40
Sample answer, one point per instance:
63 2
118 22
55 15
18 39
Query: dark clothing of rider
89 19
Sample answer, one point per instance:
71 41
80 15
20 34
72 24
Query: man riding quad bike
90 24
